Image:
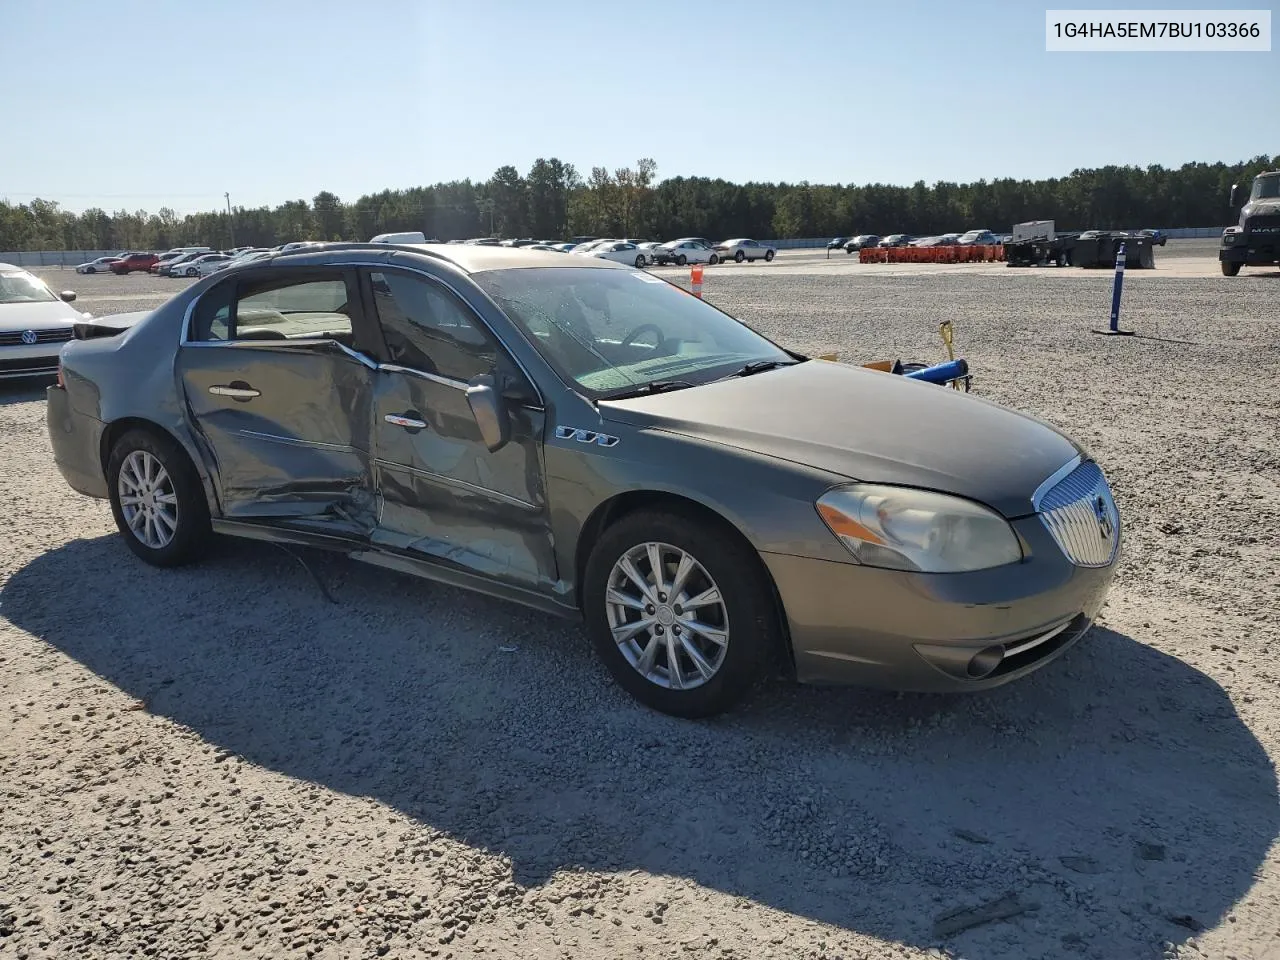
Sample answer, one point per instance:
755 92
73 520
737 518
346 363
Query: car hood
867 425
51 314
1257 208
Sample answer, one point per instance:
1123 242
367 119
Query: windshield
611 330
1265 188
23 288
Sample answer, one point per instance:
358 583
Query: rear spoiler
91 331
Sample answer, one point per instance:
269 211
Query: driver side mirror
66 296
490 412
1235 195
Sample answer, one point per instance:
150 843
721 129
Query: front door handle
236 390
406 420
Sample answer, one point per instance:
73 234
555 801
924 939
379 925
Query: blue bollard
1114 329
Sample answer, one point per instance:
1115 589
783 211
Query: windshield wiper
645 389
759 366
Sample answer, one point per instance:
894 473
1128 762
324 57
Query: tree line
553 200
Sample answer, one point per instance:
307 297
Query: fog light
984 662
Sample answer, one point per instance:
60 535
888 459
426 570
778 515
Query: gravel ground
218 761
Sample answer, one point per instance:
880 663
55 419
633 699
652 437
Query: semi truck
1255 239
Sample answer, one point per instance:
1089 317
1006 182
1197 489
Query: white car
592 245
647 249
619 251
101 265
201 266
681 252
744 249
34 324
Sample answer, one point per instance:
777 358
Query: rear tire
742 610
1230 269
162 514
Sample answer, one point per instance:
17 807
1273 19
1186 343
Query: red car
134 261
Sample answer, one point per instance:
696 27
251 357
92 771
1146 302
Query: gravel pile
219 761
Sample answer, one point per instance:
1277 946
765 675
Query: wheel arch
628 502
119 427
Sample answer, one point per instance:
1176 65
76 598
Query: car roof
469 258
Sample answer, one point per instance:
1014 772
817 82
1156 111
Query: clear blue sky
173 103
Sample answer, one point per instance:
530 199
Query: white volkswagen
34 323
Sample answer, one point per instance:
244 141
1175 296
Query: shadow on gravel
1116 792
26 390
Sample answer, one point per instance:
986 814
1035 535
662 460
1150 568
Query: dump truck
1255 239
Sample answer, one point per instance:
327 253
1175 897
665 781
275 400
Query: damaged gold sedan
590 440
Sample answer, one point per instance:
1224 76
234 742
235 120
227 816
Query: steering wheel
630 338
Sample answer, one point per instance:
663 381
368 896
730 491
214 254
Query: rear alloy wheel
739 257
157 499
680 611
1230 269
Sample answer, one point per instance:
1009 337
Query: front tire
1230 268
681 260
714 260
708 609
157 499
639 260
192 271
90 270
739 257
768 256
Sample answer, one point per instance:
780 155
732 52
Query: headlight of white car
902 528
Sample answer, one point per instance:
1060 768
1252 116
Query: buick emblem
29 337
1105 526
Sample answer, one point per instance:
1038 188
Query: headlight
906 529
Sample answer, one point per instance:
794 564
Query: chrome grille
14 338
1081 514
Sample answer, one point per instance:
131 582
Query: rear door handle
409 423
236 390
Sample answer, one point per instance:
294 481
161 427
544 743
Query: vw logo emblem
1105 526
29 337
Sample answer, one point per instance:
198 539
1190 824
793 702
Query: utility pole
231 220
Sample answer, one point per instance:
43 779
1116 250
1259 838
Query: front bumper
920 632
1251 249
35 360
76 439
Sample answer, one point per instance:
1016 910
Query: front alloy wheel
739 257
680 609
681 260
667 616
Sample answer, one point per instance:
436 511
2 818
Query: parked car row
633 251
864 240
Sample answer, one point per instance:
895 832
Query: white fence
71 258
